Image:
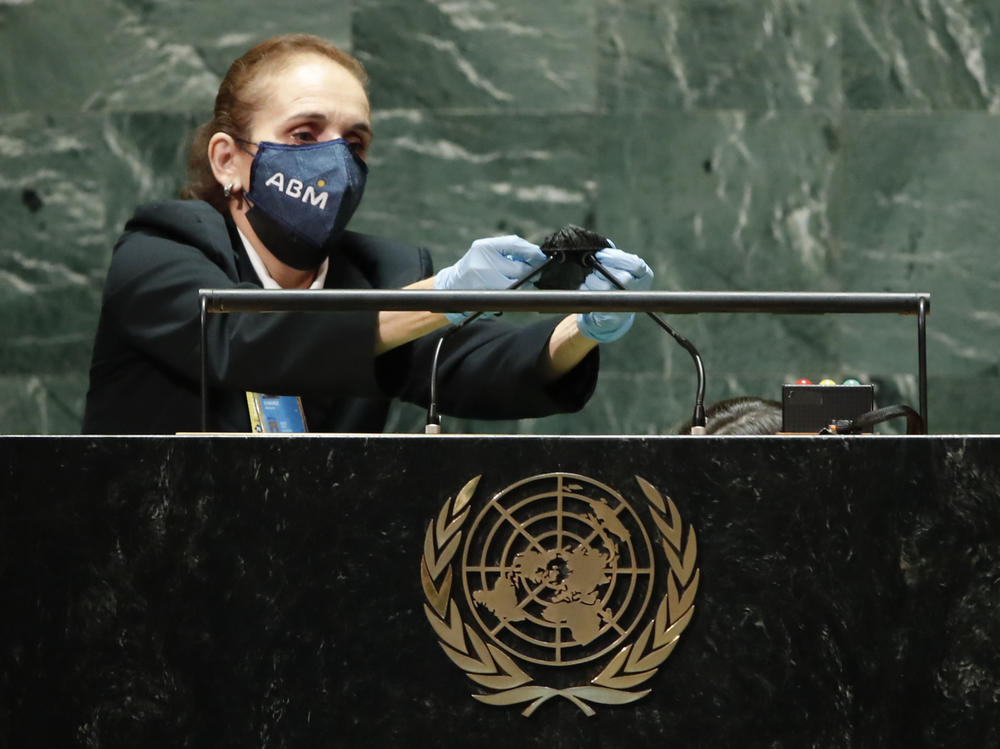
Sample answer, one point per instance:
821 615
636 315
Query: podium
268 591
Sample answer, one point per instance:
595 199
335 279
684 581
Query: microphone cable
866 421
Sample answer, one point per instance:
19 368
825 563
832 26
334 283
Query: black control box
806 409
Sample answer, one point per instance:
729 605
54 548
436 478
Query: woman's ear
225 157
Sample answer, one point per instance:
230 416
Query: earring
227 191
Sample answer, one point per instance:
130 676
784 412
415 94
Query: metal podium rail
222 301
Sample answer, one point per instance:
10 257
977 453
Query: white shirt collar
265 278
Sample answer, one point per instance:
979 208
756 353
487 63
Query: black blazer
145 370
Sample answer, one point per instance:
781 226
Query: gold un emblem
556 576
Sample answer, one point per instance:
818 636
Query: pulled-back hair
744 415
741 415
239 99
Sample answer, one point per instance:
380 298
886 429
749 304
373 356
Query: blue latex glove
631 272
490 264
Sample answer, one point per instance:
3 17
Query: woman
274 179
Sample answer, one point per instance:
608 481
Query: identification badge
276 413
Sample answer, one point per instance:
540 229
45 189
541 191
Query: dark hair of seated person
742 415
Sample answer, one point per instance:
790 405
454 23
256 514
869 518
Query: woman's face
310 99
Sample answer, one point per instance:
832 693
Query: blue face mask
303 196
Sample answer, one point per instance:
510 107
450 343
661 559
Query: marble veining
815 145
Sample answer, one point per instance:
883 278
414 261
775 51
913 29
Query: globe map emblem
558 569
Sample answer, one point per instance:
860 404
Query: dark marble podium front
265 592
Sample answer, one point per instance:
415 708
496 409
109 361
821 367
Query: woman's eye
303 136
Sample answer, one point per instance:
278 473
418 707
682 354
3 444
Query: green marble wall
836 145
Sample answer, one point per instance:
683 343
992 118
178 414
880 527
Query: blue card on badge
276 413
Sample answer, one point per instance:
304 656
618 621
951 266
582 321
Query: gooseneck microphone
571 254
698 418
433 425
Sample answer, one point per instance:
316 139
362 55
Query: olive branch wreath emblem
490 667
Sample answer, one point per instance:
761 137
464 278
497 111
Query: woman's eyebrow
308 116
362 127
323 117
